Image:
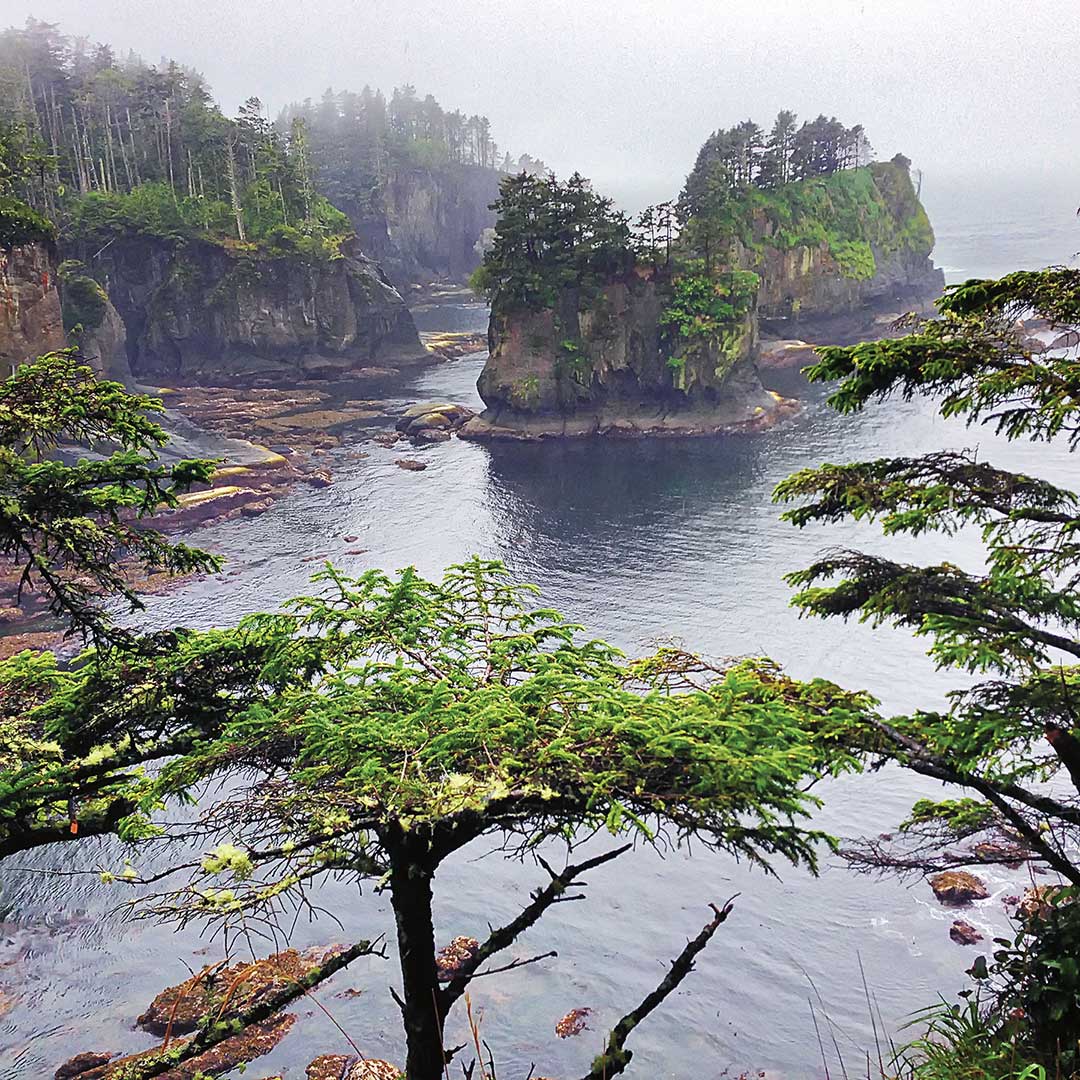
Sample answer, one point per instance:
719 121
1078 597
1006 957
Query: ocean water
640 541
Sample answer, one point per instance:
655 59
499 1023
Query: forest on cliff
375 728
103 143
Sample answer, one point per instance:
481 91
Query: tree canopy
63 526
550 235
105 144
1010 742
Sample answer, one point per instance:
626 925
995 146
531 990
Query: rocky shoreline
632 424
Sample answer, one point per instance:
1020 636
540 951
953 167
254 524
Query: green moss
855 260
83 302
526 394
850 213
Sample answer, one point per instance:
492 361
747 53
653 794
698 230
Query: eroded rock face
428 222
30 318
807 284
606 366
203 313
105 346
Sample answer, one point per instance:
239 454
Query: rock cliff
608 365
841 246
202 312
851 244
427 222
30 320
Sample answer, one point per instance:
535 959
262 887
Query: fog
626 90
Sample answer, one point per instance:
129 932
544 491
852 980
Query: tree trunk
410 894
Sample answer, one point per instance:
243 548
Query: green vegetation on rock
83 301
1007 741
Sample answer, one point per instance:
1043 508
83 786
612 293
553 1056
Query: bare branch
615 1057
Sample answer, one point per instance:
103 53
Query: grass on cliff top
848 211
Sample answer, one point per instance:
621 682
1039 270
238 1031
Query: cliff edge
30 319
211 313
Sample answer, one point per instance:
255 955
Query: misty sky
626 90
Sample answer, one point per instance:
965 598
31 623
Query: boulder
199 507
320 478
80 1064
430 435
439 415
256 509
411 464
963 933
957 887
452 959
573 1023
1037 902
344 1067
790 353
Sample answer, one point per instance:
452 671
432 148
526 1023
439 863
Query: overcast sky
626 90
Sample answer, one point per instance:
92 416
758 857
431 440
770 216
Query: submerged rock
344 1067
1011 855
451 959
963 933
411 464
244 984
252 1043
573 1023
319 478
81 1064
957 887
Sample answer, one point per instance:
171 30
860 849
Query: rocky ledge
733 418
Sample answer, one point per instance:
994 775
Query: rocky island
598 327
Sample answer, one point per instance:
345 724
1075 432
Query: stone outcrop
202 312
957 887
30 319
875 257
607 366
844 247
93 323
433 421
